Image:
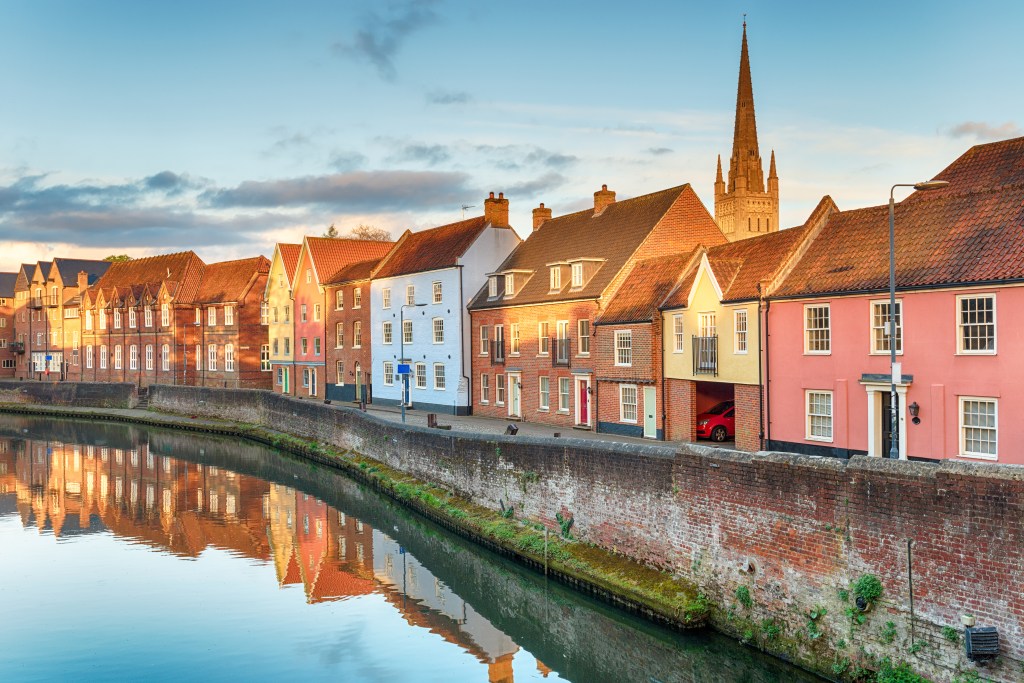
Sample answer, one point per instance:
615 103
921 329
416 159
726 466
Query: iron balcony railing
560 351
36 302
705 355
498 352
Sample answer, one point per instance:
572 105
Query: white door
515 386
650 405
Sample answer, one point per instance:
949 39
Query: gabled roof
433 249
612 235
180 273
290 258
7 281
354 272
69 268
740 266
969 232
229 280
24 275
645 287
331 254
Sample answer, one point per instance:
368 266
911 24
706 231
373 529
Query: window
624 348
484 342
339 369
439 376
117 319
817 329
88 356
584 329
88 320
513 331
357 334
387 332
880 333
977 323
510 284
103 356
199 357
312 382
339 300
485 389
211 361
149 356
309 276
211 316
339 336
148 316
229 357
385 297
165 315
577 275
819 415
264 313
438 327
436 289
627 403
499 390
265 358
407 332
305 377
199 316
978 427
389 373
492 287
279 379
8 362
316 346
543 339
133 357
563 394
303 317
410 294
287 313
545 392
229 315
357 297
277 346
103 320
275 314
421 375
740 331
118 357
677 333
556 278
304 345
132 318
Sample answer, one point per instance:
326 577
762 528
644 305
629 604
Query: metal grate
982 642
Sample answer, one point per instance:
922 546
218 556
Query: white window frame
357 297
132 319
118 357
229 357
410 295
962 436
624 348
117 318
385 297
580 324
879 334
678 334
564 396
510 284
499 389
339 372
437 328
577 275
492 287
407 335
544 391
740 331
199 357
960 349
555 279
389 373
357 334
808 415
437 292
420 375
485 342
211 316
103 356
148 316
316 313
439 386
211 357
88 356
514 340
133 357
149 356
543 339
388 332
485 389
624 405
229 315
809 331
339 335
339 300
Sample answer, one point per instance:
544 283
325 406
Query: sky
226 127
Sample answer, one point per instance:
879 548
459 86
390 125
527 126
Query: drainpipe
462 356
766 401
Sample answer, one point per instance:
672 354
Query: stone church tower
743 208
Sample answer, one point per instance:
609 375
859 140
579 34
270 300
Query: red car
718 423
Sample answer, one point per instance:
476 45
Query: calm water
140 554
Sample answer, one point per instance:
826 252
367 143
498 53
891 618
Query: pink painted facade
310 330
938 376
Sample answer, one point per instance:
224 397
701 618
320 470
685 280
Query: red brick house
7 331
534 356
349 360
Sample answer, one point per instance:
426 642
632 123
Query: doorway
359 383
583 401
650 405
880 419
515 392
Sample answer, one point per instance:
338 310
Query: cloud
515 157
356 190
170 183
346 160
287 143
445 97
551 160
530 188
658 151
431 154
985 131
379 38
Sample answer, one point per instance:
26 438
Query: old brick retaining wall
83 394
795 530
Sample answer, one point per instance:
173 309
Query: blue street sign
404 369
49 358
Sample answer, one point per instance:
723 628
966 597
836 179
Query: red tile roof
354 272
432 249
613 235
181 271
331 254
645 287
969 232
229 280
290 258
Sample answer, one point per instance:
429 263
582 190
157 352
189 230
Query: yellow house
277 300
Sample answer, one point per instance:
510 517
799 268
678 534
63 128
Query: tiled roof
969 232
432 249
181 271
354 272
227 281
7 281
613 235
332 254
290 258
740 266
644 288
69 269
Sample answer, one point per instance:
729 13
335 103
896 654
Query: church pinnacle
743 207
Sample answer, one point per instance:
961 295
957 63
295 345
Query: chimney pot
496 210
541 216
603 198
492 196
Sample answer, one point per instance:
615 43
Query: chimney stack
83 281
602 199
541 215
496 210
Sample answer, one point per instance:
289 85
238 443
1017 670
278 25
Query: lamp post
894 432
401 359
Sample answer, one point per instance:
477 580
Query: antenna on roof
467 206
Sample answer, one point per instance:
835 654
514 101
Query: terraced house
8 334
278 305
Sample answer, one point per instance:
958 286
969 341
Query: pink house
959 313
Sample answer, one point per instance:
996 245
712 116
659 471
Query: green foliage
868 587
917 646
743 595
116 258
889 633
565 523
951 634
967 677
840 666
897 673
770 629
697 609
748 636
813 628
855 616
844 595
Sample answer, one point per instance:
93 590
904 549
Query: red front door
584 417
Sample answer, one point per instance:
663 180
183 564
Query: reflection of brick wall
681 414
748 424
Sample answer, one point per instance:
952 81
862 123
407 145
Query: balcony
705 355
17 347
498 352
52 301
561 351
36 302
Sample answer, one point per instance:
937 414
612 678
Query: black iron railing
498 352
705 355
560 351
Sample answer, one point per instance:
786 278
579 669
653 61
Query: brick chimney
541 215
83 281
602 199
496 210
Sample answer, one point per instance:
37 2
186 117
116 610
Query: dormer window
556 278
510 284
577 275
492 287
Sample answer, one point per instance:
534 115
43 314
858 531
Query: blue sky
225 127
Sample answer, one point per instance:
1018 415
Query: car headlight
702 423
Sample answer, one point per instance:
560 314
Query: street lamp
894 432
401 359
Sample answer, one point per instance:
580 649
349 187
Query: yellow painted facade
280 326
705 307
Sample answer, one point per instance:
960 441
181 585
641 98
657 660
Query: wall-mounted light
914 410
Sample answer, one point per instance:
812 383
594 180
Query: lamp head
931 185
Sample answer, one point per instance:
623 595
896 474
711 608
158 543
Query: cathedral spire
745 167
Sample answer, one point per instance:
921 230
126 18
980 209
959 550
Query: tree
114 258
331 231
369 232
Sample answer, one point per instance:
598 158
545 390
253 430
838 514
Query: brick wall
349 355
794 530
748 422
681 410
643 372
78 394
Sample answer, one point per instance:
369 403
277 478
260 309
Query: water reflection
183 494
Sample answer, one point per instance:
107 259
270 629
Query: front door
359 383
515 390
583 402
312 381
887 422
650 405
284 380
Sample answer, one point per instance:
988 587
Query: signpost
404 370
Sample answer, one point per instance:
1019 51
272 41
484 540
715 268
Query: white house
418 316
